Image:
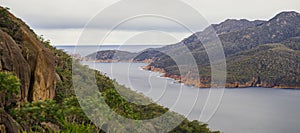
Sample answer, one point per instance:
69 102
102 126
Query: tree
9 86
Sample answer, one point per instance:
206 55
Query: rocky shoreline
198 84
195 82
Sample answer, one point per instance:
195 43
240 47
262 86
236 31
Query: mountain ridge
282 29
45 100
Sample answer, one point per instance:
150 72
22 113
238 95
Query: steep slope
48 102
231 25
23 53
193 42
283 28
239 38
270 65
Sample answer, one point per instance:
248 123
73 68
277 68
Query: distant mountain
112 56
283 26
231 25
45 101
258 53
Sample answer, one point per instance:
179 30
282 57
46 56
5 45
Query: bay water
246 110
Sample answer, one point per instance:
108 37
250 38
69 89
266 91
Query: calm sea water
250 110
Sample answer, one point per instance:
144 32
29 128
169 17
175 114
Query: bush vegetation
64 113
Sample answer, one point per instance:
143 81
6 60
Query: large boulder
24 54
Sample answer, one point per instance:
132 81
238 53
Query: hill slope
23 53
47 102
281 65
248 47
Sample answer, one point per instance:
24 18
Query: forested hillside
36 88
258 53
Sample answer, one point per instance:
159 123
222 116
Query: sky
71 22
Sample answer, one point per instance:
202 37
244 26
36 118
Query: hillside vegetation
258 53
38 89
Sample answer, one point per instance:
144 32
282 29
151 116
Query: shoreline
195 83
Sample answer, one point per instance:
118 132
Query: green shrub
9 84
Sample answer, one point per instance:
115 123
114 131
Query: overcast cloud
62 21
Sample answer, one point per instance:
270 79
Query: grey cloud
63 14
